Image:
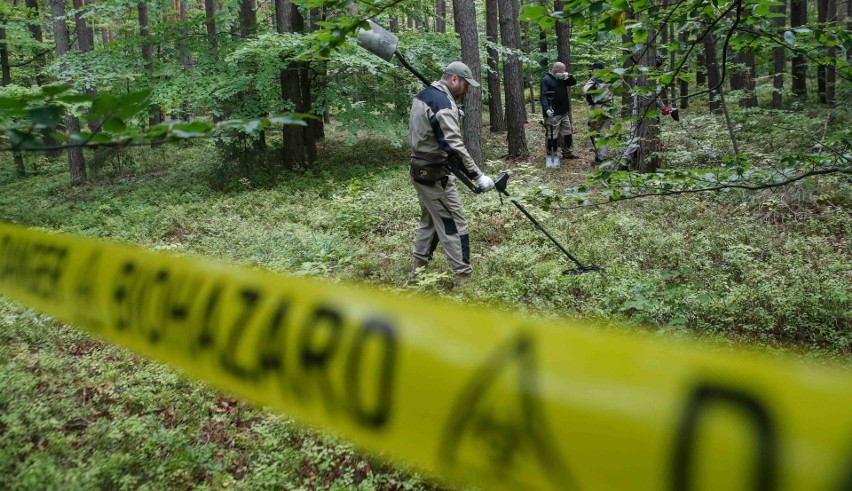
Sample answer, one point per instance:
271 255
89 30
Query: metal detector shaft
545 232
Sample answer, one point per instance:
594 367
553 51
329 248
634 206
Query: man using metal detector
434 132
599 98
555 104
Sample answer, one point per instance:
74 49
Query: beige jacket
434 129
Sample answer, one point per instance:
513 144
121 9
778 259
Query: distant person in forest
555 105
599 98
629 159
434 132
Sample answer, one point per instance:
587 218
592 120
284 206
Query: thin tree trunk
35 30
513 78
20 170
469 35
798 17
248 18
295 145
210 22
779 63
4 54
563 46
831 70
822 17
745 58
86 43
76 160
155 116
394 24
649 128
184 55
525 33
627 103
683 83
712 68
440 16
495 99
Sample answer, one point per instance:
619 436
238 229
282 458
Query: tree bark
822 17
210 22
35 30
4 54
712 68
683 82
648 130
745 73
778 59
798 17
440 16
296 151
469 36
495 99
248 18
155 116
76 160
831 70
86 43
563 37
513 79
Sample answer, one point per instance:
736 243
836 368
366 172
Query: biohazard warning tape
466 393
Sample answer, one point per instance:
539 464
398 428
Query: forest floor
770 269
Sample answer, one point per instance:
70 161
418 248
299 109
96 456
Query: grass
770 269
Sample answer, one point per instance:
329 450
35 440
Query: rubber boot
567 146
461 280
416 263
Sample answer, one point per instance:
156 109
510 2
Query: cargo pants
441 221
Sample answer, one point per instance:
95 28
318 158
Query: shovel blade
552 162
378 41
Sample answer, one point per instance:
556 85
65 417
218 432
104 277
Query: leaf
114 125
12 103
54 89
102 105
615 21
47 116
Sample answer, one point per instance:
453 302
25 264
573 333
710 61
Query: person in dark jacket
555 104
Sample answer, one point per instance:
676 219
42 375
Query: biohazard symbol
497 426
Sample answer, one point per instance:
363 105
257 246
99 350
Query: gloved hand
550 113
562 76
485 183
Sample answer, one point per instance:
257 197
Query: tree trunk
648 129
513 79
183 52
745 73
798 17
469 35
394 24
831 70
4 54
440 16
86 42
627 108
35 29
248 18
563 46
563 37
712 68
76 161
210 22
155 116
701 69
822 17
683 83
495 99
778 60
295 153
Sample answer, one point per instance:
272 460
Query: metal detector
500 184
383 44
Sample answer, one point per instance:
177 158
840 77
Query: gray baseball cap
461 70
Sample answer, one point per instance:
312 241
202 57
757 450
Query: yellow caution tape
469 394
